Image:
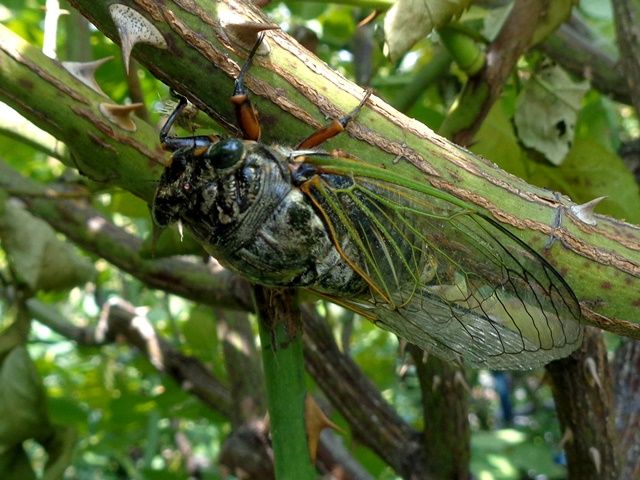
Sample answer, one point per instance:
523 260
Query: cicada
416 261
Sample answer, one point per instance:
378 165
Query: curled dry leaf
547 110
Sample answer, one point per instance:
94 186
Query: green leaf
37 256
15 464
555 14
338 26
409 21
200 332
128 204
507 454
598 122
22 400
59 449
546 112
66 410
592 171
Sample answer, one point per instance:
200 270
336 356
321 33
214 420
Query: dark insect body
416 261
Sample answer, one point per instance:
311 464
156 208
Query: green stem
281 338
463 49
406 97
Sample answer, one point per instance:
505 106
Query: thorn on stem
596 458
437 381
86 71
121 115
592 372
458 378
567 437
134 28
246 33
585 212
316 421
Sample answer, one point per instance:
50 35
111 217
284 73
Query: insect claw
557 222
239 88
354 113
178 96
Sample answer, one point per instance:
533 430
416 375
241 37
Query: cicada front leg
194 144
246 114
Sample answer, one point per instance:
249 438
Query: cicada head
187 182
213 190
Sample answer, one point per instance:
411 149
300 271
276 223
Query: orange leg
333 128
246 114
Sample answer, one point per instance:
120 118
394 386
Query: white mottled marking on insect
209 196
223 217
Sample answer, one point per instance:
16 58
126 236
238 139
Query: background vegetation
115 363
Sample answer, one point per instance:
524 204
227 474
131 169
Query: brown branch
627 19
247 453
626 368
335 461
445 410
243 366
583 393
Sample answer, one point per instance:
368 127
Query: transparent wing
444 276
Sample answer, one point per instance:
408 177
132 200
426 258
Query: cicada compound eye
227 153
